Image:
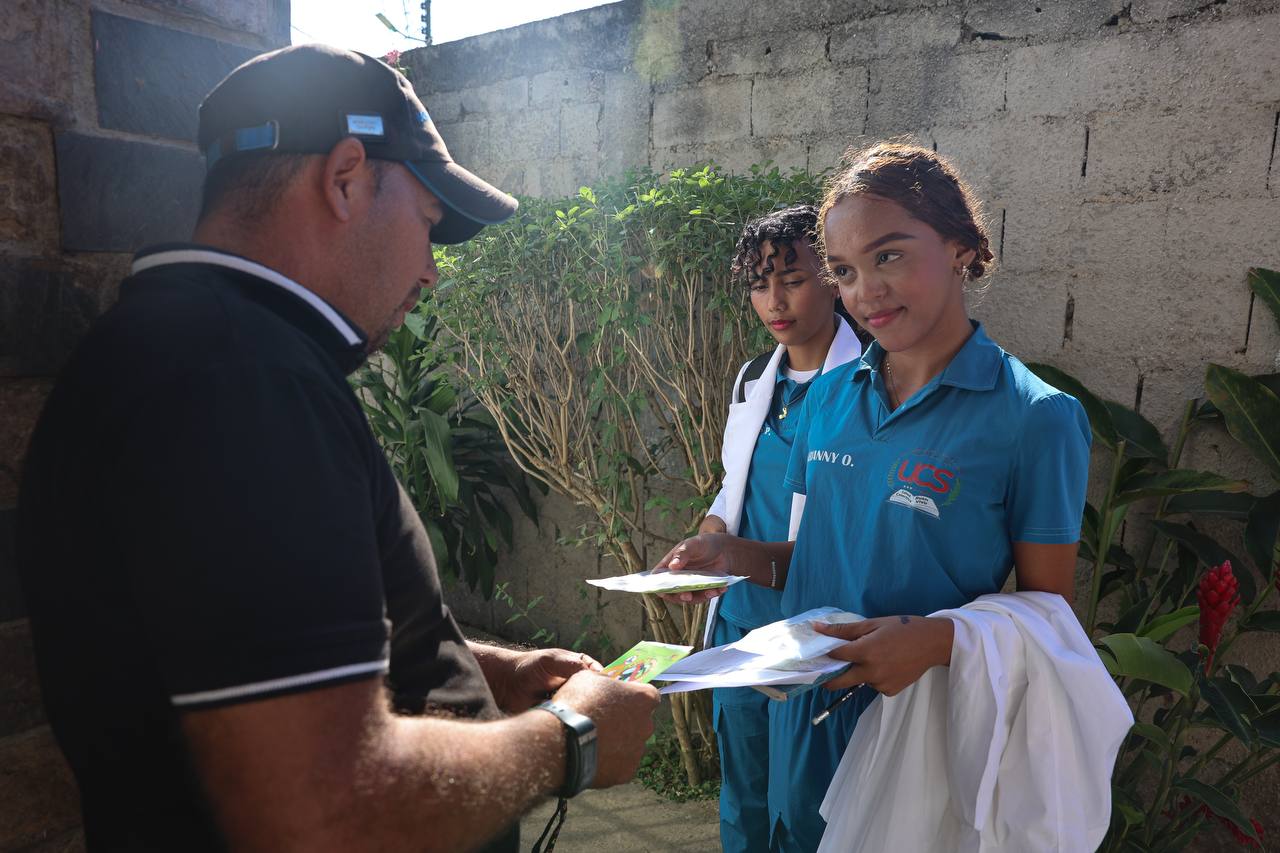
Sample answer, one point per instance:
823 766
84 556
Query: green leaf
1131 619
1208 411
416 324
1218 802
1163 627
437 453
1142 439
1224 699
1153 733
1234 505
1178 481
1261 533
1099 415
1210 553
1263 620
1266 284
1131 656
1251 410
1267 727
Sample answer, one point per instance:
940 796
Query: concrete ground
627 819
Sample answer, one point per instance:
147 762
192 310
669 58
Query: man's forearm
495 661
334 770
455 785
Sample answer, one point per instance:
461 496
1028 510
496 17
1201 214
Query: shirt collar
192 253
976 367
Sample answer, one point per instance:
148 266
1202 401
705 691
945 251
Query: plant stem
1175 458
1107 530
1183 710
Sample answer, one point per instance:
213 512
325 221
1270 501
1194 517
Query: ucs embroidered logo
921 484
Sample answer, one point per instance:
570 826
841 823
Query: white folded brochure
655 581
789 651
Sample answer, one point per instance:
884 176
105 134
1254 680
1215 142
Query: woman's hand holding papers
889 653
763 563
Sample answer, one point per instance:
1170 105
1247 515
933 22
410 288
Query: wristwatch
580 749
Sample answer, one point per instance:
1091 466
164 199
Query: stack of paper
786 652
662 581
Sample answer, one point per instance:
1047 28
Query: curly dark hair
782 228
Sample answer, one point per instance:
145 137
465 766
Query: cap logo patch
365 125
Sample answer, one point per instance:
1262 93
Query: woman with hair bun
931 468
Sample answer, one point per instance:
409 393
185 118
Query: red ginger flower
1217 597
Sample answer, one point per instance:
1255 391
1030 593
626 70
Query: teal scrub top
916 510
766 504
912 511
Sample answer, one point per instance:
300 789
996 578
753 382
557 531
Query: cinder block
896 34
37 790
553 87
21 401
710 112
1012 157
444 107
28 188
935 87
1080 77
45 307
1204 66
468 141
39 63
1137 154
737 156
1023 312
579 130
624 123
1042 19
524 135
1151 11
770 52
499 97
560 177
20 708
827 101
265 19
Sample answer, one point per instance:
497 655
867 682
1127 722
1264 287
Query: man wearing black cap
236 612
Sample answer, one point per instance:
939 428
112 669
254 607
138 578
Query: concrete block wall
1125 150
97 159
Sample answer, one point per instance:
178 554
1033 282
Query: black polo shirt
206 519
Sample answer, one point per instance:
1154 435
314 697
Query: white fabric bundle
1010 748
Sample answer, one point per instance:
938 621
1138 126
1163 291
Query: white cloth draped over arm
1009 749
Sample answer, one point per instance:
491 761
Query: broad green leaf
1131 619
1267 727
1179 481
1208 411
1163 627
1099 416
1138 657
416 324
1266 284
436 453
1142 439
1224 699
1262 532
1251 410
1234 505
1218 802
1153 733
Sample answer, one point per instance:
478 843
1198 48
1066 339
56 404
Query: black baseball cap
306 98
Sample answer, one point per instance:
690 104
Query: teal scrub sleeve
1050 472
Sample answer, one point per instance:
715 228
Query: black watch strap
580 748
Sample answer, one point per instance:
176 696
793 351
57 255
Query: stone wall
97 121
1125 151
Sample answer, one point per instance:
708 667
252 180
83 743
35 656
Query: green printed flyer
645 661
